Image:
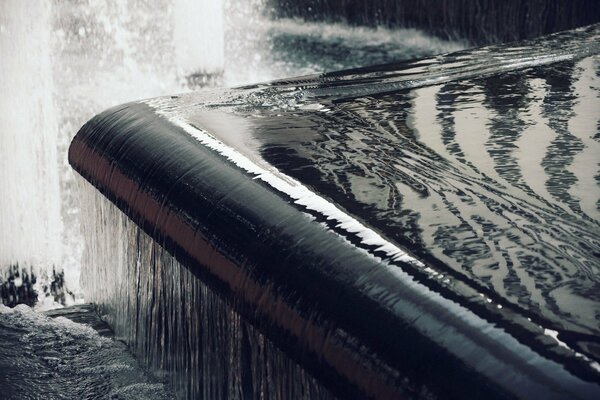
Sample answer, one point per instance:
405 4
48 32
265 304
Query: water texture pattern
174 323
481 21
491 175
65 61
379 225
56 358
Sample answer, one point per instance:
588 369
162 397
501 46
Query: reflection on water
484 164
496 178
509 208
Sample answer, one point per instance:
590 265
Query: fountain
265 212
375 232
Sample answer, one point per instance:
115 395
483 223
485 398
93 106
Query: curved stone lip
344 313
466 64
350 306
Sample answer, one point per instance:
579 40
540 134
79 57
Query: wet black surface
311 292
490 175
483 165
458 187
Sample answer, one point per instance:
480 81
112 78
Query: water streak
174 322
30 223
489 175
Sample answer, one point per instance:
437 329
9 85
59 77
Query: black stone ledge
363 328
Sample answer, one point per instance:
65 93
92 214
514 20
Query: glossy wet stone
419 229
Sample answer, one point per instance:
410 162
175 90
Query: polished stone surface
421 229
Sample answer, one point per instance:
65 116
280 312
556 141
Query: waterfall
30 222
211 246
63 62
178 326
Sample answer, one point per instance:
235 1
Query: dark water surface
493 177
490 176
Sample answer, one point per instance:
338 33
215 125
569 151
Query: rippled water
55 358
484 164
496 178
76 58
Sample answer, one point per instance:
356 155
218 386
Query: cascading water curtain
198 36
30 223
63 62
173 322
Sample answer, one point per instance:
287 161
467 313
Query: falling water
64 61
174 322
30 223
104 55
59 68
198 37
